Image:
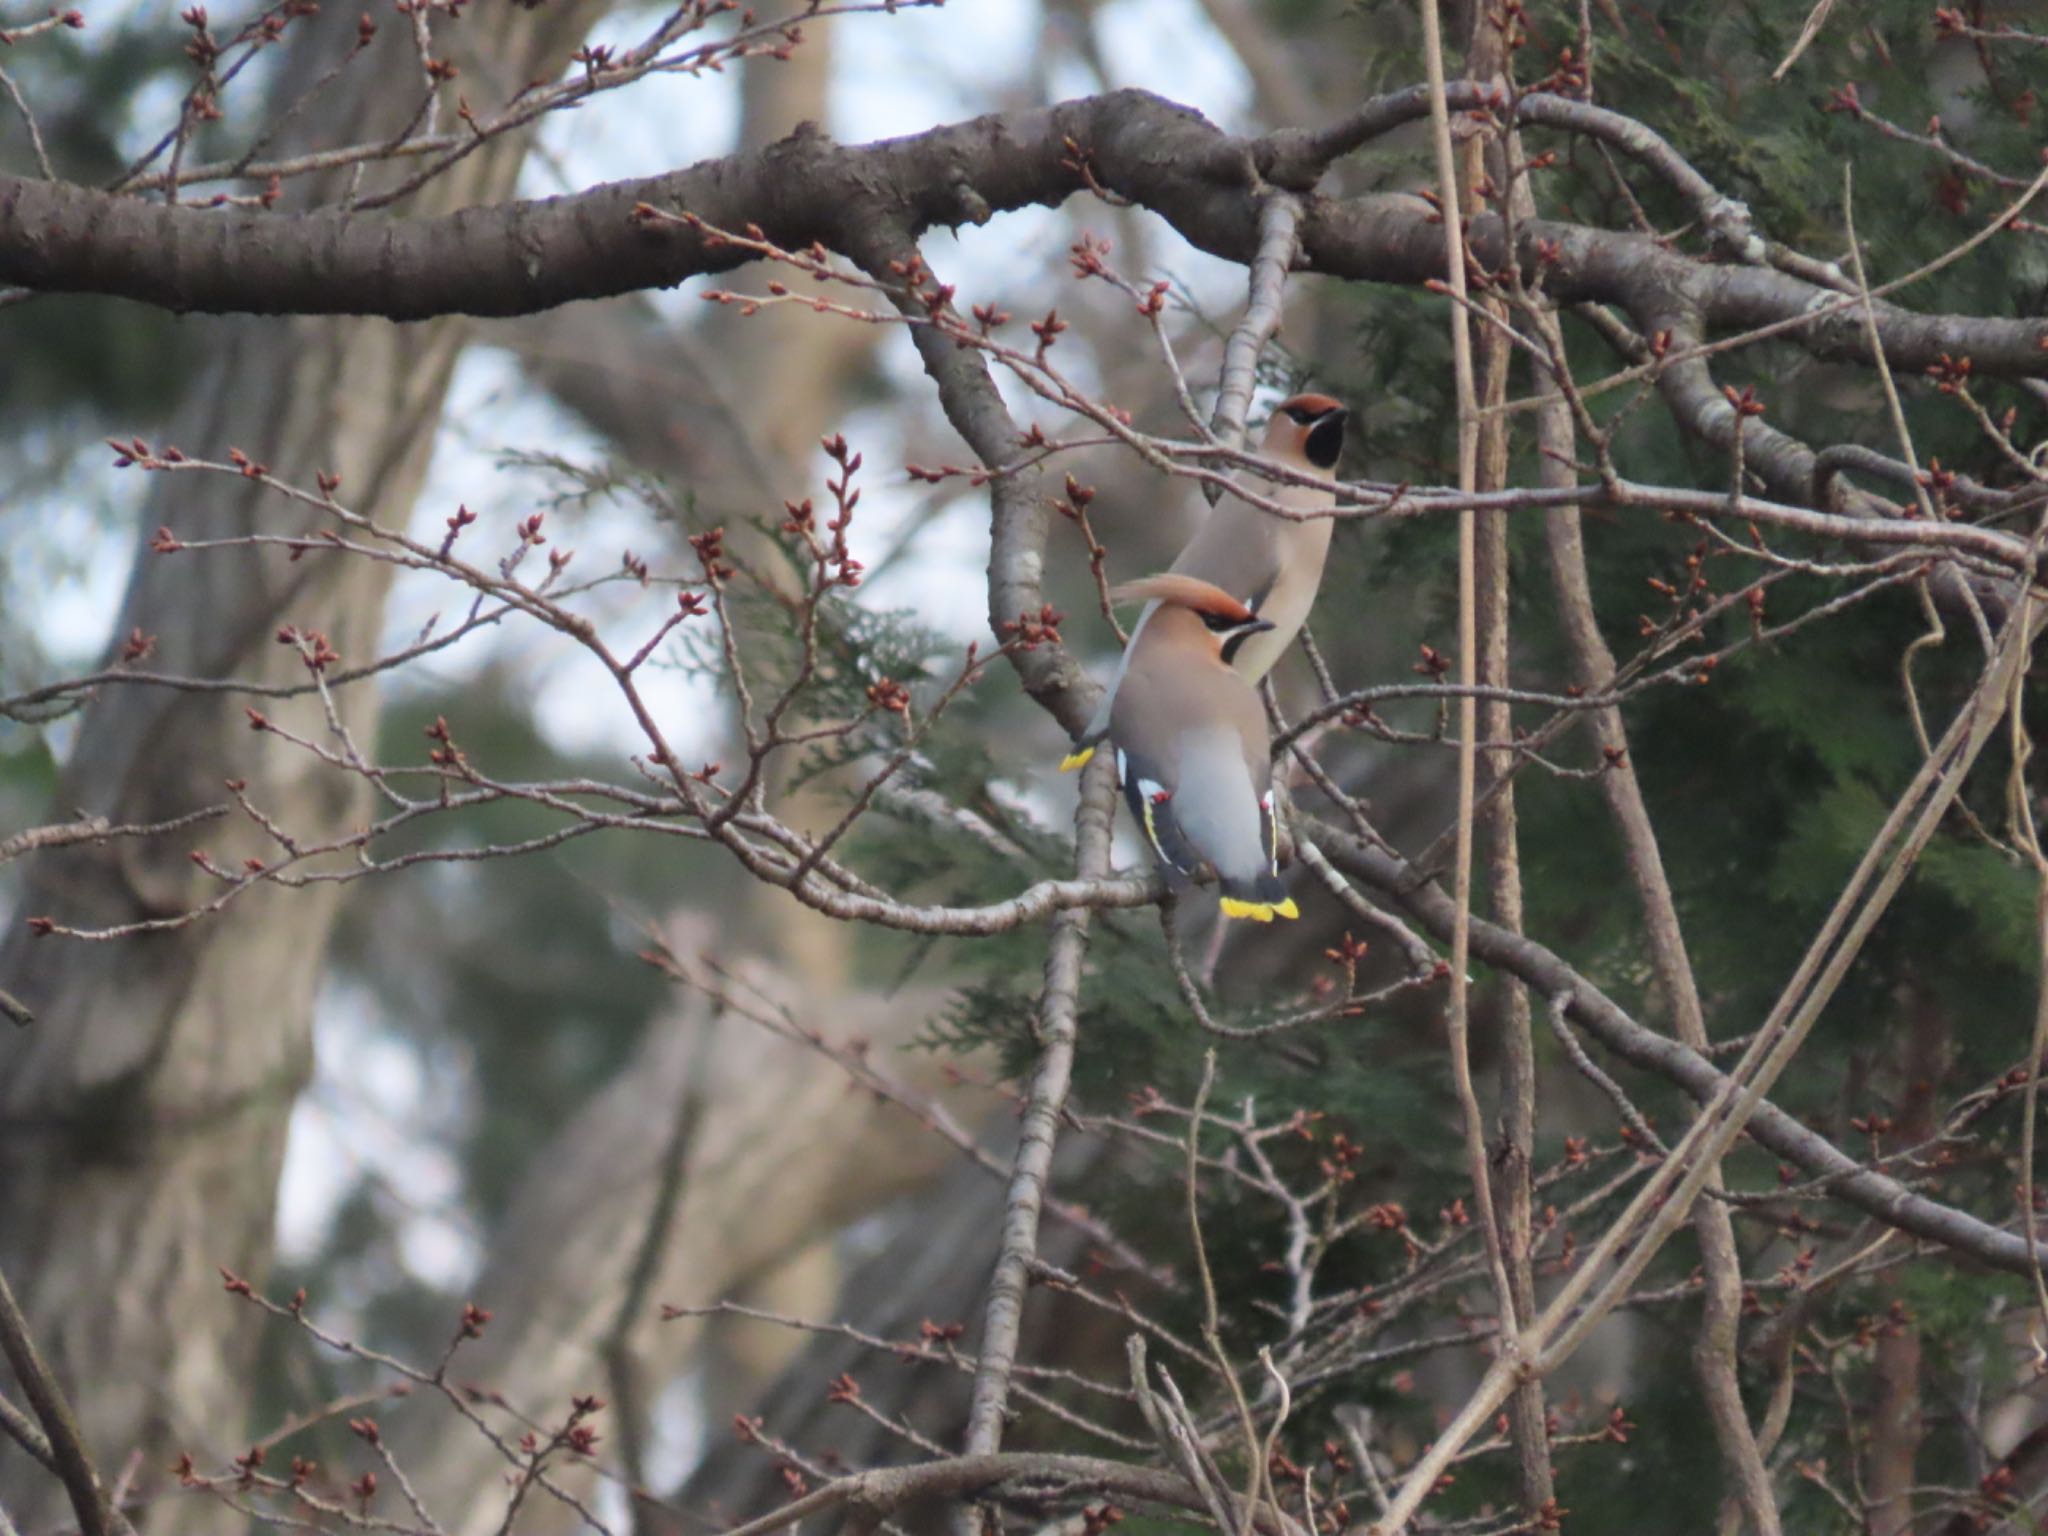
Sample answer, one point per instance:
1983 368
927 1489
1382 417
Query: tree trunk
143 1118
720 1153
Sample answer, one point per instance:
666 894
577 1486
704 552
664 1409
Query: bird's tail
1261 899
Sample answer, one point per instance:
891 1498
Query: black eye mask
1325 441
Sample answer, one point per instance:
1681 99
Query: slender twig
53 1412
1458 1014
1044 1102
1594 666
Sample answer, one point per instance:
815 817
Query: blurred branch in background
759 1105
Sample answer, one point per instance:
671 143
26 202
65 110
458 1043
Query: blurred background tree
471 1085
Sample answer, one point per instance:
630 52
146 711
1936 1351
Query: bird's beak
1258 626
1334 413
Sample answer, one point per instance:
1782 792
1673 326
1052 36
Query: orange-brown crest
1186 592
1314 405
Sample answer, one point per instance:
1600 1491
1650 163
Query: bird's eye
1300 415
1217 621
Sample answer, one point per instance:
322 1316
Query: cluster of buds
919 282
1939 483
1796 1271
1075 505
889 697
575 1436
1388 1216
1997 1487
1347 952
1897 1320
1510 21
1951 375
1302 1123
578 1436
710 548
835 559
1744 400
1567 76
1089 256
1844 98
1030 631
444 753
137 452
312 645
203 50
458 520
1339 1164
1047 331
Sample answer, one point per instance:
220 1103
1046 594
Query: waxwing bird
1191 745
1271 564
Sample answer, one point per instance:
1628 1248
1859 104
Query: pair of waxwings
1182 713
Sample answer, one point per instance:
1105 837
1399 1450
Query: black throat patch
1325 441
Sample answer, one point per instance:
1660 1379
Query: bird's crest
1186 592
1307 408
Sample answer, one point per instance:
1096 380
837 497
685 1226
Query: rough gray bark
521 257
142 1120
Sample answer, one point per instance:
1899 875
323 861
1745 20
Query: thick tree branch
1279 214
1875 1193
521 257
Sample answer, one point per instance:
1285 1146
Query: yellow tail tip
1075 760
1260 911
